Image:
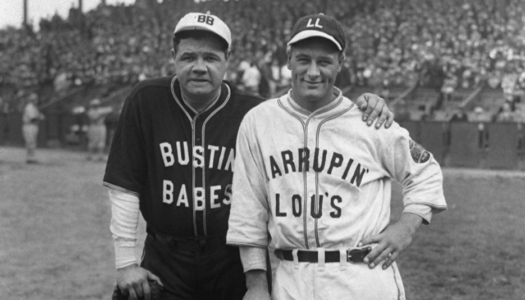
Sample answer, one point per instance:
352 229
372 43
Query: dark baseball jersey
178 161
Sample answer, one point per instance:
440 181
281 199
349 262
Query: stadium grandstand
431 60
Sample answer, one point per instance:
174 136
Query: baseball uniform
97 129
30 118
321 182
179 162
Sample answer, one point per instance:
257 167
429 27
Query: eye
211 58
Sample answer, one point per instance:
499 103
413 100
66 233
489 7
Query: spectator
251 79
505 114
286 76
402 112
97 132
470 43
479 117
459 115
275 78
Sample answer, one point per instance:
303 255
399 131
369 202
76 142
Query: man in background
30 121
97 131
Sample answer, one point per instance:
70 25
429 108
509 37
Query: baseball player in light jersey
318 191
30 119
172 158
97 131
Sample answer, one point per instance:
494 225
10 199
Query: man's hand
392 241
133 281
257 285
373 106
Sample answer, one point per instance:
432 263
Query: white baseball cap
208 22
95 102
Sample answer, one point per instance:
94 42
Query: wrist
256 279
411 221
253 258
124 256
127 267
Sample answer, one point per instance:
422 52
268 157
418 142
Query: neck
200 103
312 105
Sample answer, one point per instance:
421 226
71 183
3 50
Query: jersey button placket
311 187
199 173
313 184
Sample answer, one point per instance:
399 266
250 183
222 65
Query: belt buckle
356 255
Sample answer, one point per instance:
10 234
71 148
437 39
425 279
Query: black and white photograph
262 149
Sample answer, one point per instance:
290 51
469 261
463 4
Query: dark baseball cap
319 25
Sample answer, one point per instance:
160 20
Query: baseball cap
478 109
33 97
319 25
94 102
208 22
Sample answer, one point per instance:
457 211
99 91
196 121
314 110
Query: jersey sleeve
30 114
106 110
249 212
123 226
126 167
253 258
419 173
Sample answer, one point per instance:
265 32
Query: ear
173 53
227 58
342 58
289 55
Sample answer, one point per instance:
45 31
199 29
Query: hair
289 48
198 35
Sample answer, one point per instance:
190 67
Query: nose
313 71
199 66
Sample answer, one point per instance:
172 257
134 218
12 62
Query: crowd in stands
446 45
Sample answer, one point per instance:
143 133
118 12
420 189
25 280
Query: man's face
314 63
200 65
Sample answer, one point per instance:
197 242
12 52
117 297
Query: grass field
55 241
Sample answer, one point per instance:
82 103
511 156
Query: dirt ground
55 241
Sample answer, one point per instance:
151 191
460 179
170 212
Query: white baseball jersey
322 180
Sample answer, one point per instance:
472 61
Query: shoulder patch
419 154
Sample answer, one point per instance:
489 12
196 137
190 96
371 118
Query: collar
220 100
177 94
320 111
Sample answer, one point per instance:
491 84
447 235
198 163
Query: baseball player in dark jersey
314 183
172 159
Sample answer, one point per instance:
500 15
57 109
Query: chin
200 91
312 95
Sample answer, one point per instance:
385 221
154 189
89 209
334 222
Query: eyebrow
303 55
203 53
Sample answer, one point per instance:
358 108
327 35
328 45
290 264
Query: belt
189 244
354 255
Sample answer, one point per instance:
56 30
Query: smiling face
201 61
315 63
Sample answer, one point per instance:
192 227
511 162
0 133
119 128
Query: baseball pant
328 281
97 137
209 273
30 133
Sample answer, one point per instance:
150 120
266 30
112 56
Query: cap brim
204 28
306 34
